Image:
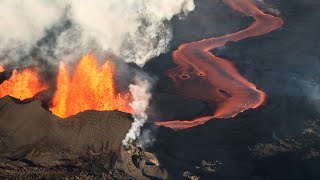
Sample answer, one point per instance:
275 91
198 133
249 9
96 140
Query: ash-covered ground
279 140
38 145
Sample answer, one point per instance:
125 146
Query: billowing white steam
133 30
141 95
23 23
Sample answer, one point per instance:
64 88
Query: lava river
204 76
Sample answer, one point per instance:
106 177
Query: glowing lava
204 76
2 69
22 85
90 87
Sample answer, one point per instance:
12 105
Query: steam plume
141 95
133 30
23 23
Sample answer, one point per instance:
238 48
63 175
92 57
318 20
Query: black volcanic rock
291 158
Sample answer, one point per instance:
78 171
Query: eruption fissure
226 90
89 87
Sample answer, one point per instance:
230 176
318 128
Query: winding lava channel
204 76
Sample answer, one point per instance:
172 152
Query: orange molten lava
205 76
90 87
1 69
22 85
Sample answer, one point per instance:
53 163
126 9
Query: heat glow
204 76
2 69
22 85
89 87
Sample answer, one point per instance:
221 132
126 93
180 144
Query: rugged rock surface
140 164
204 169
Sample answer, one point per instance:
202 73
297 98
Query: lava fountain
204 76
90 87
22 85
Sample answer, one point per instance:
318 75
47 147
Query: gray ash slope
28 125
36 144
280 139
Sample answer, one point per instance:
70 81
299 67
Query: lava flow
219 83
90 87
22 85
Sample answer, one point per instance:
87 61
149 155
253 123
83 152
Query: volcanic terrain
271 132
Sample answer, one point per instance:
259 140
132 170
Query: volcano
236 97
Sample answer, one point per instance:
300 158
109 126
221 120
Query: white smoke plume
141 95
23 23
133 30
